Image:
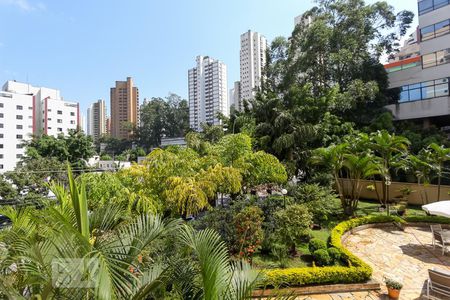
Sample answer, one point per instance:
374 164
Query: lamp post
284 192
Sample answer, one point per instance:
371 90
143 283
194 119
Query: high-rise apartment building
423 79
97 120
235 96
26 110
303 19
124 108
208 94
253 61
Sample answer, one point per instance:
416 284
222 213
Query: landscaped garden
262 201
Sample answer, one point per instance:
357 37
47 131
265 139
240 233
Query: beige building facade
124 109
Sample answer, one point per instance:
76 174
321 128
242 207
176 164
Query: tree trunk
439 187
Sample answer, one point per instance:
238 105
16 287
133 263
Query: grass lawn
365 208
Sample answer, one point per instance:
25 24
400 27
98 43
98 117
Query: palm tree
439 155
387 146
358 167
333 157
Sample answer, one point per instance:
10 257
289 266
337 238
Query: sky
82 47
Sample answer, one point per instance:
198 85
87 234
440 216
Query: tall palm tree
387 146
358 167
333 157
439 155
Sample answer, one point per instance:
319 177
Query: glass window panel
425 6
428 92
441 90
405 88
442 28
440 3
411 65
441 81
415 86
427 33
415 94
429 60
404 96
443 56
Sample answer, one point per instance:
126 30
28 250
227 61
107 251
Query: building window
425 90
30 107
1 167
1 105
1 115
1 135
1 146
435 30
49 109
436 58
1 125
59 129
19 156
59 112
49 119
1 156
19 117
59 120
19 126
426 6
19 136
19 107
72 122
72 114
19 146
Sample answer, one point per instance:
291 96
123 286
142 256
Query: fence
420 195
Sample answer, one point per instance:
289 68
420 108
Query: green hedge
357 270
427 219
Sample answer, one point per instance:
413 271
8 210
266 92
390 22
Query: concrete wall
395 187
421 109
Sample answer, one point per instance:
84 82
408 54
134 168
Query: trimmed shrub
357 270
334 254
321 257
316 244
427 219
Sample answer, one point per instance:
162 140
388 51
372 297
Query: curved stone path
404 255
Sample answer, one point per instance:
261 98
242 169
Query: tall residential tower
253 61
208 94
124 108
97 120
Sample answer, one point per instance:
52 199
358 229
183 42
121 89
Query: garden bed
356 270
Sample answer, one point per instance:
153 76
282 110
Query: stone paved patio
404 255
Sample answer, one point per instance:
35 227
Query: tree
387 147
75 148
249 232
439 156
358 167
160 118
292 225
333 158
263 168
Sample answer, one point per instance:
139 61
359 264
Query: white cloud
24 5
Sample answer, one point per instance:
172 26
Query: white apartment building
423 80
235 96
301 19
16 126
26 110
208 94
96 119
253 61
